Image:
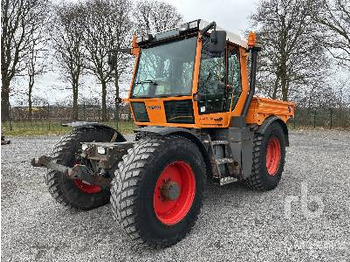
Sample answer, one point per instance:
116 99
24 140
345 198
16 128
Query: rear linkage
95 162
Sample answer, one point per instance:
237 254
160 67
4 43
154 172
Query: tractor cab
190 76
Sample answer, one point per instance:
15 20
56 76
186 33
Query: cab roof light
135 50
146 38
192 25
167 34
183 27
251 39
134 41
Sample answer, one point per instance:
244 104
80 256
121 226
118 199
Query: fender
163 130
84 124
271 119
166 131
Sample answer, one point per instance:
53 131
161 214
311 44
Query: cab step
227 180
219 142
223 164
221 161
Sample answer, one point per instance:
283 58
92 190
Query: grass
44 127
39 128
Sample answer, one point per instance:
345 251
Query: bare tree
19 22
34 69
292 58
67 39
122 62
107 26
37 53
152 16
334 18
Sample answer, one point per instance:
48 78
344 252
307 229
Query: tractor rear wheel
268 159
157 191
77 193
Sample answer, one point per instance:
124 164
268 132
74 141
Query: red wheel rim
174 193
273 156
86 187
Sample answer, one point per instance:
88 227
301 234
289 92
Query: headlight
84 147
101 150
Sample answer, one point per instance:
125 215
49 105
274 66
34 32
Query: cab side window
234 83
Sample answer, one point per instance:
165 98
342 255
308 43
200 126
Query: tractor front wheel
158 190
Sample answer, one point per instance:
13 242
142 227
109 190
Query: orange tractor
198 119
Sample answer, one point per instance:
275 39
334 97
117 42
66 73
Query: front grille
179 111
140 112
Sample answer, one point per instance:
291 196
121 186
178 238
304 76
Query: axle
78 171
95 162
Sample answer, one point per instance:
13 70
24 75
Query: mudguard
177 131
268 121
164 130
84 124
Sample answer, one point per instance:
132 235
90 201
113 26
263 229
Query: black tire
133 188
261 179
64 190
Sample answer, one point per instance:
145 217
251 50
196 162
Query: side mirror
217 42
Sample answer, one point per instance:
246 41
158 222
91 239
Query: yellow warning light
134 41
252 39
135 50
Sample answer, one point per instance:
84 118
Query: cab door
212 81
218 85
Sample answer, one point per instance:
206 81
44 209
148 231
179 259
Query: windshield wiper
135 96
146 81
172 95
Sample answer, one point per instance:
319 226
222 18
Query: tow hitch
96 162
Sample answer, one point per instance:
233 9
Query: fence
87 112
49 119
322 117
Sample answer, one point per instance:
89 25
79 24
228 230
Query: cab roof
232 37
190 28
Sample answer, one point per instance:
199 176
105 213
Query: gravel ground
235 224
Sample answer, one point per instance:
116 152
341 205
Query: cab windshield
165 70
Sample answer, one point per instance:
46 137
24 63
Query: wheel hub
170 190
174 193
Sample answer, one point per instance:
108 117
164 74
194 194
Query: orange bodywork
259 110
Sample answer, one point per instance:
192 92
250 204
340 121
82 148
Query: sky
232 15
